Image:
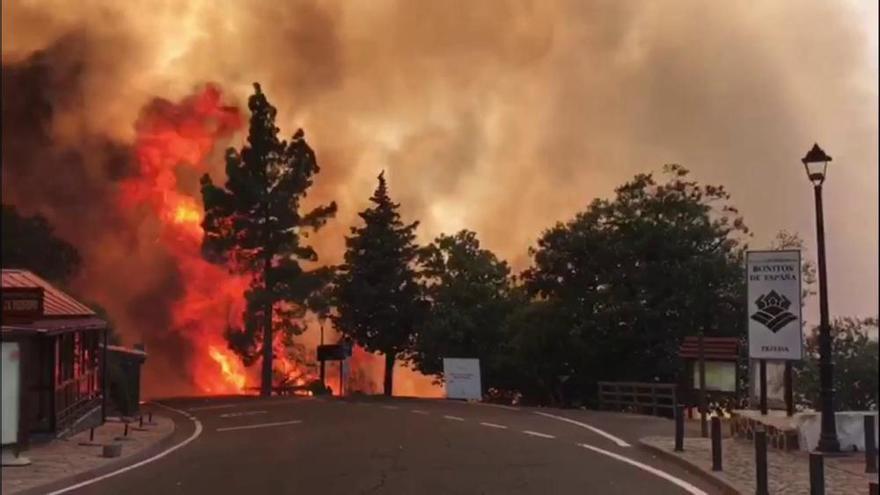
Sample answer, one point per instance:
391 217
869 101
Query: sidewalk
788 473
61 459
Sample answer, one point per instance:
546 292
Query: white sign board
9 365
774 304
462 378
720 376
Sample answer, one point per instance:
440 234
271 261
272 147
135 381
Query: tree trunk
389 374
266 384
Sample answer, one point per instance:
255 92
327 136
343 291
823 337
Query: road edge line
723 485
693 490
619 441
196 432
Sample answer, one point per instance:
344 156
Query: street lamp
816 164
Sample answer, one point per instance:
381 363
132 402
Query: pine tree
254 225
377 295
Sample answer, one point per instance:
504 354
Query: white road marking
220 406
419 411
537 434
499 406
493 425
261 425
390 407
195 434
619 441
454 418
693 490
243 413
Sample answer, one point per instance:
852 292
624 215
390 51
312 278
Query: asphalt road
399 446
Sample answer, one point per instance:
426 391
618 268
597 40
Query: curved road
400 446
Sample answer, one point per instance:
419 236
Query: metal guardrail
638 397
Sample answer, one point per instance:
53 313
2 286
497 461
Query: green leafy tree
377 296
792 240
30 243
545 355
636 274
469 291
855 357
255 225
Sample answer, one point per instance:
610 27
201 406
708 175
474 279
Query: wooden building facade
61 354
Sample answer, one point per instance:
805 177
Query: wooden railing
638 397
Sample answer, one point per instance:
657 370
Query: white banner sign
774 304
10 367
462 378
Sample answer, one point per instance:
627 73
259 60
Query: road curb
723 485
145 453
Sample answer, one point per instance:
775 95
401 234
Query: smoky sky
500 116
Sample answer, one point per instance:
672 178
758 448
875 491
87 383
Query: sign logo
773 311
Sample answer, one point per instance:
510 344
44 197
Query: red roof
55 302
54 326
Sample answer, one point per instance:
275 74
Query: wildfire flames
170 139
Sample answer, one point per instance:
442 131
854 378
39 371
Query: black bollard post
125 434
141 421
870 445
761 462
716 443
817 474
679 429
872 488
92 434
150 417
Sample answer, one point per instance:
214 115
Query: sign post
774 311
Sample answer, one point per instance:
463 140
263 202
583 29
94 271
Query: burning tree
254 226
377 296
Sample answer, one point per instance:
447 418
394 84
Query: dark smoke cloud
501 116
73 184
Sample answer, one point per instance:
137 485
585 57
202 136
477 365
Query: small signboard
333 352
22 303
462 378
720 376
774 304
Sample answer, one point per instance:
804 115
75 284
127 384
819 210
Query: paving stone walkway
60 459
788 472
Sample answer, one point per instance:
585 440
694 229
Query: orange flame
232 371
171 137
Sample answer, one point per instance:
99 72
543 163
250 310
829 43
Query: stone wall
778 438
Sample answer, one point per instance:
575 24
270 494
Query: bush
855 360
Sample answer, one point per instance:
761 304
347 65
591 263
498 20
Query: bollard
91 434
679 429
872 488
870 446
761 462
141 421
112 450
716 443
150 417
125 434
817 474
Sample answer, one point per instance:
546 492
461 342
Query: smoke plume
502 117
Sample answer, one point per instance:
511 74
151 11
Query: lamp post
816 164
